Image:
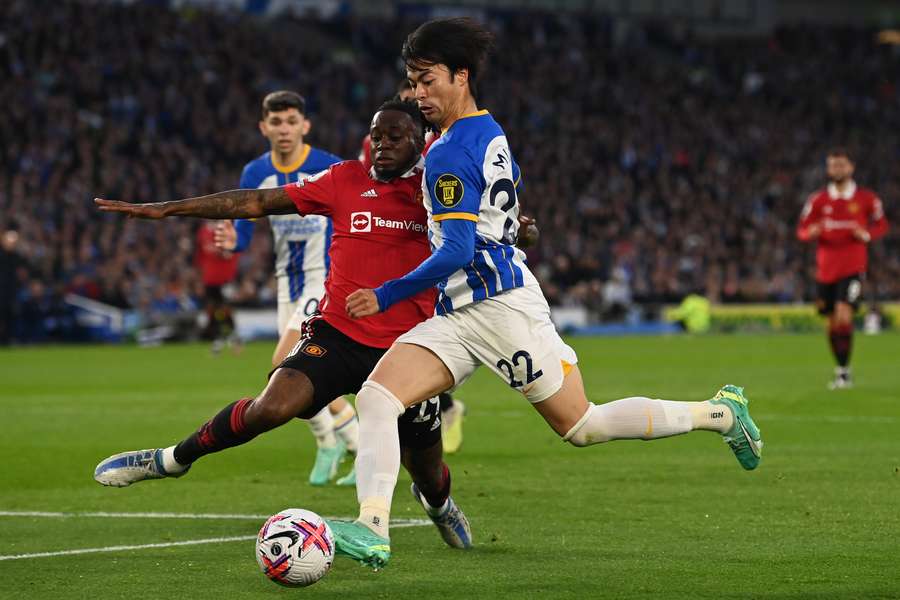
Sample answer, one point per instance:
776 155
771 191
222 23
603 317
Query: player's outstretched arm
233 204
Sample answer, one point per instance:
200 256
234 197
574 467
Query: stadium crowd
656 164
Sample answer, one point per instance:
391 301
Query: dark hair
283 100
840 151
460 43
409 107
403 86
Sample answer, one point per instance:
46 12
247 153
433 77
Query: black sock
841 344
225 430
437 497
446 401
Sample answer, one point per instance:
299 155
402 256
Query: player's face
284 129
438 93
839 168
396 143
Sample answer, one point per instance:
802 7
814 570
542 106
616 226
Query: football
295 547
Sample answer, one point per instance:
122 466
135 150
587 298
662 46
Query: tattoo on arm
233 204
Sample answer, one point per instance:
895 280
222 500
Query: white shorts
510 333
292 314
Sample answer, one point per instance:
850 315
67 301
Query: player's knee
588 430
288 394
374 400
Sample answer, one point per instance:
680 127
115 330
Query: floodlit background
667 147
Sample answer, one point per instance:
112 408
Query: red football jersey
217 267
379 234
839 253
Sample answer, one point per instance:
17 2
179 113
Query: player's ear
262 129
461 76
307 125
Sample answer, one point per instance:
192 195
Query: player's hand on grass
225 236
138 211
362 303
528 232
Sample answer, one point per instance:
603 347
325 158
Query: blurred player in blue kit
301 247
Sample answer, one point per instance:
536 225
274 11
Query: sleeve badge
448 190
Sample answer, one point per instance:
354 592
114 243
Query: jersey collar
304 154
847 194
477 113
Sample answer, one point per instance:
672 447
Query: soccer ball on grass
295 547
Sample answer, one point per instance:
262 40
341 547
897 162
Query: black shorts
848 289
213 294
338 365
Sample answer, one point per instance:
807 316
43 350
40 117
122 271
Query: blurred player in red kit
217 268
842 219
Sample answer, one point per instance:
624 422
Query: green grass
669 518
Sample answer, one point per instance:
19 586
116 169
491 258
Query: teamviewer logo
360 222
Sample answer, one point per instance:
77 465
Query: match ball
295 548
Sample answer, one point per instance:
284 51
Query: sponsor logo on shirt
448 190
362 222
290 225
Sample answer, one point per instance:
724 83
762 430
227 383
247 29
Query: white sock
712 417
346 427
646 419
378 458
169 463
435 511
322 427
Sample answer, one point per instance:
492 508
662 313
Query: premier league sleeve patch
448 190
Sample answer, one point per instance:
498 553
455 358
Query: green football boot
360 543
743 437
349 479
326 465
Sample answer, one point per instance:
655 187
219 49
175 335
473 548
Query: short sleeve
314 195
454 182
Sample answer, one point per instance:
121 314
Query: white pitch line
122 548
399 523
171 515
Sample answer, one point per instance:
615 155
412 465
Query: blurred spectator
693 314
682 161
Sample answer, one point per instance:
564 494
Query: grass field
678 517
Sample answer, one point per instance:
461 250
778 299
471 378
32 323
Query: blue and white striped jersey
300 243
470 174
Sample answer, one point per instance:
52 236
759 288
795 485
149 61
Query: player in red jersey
217 268
841 218
379 233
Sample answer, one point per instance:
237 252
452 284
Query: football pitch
678 517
